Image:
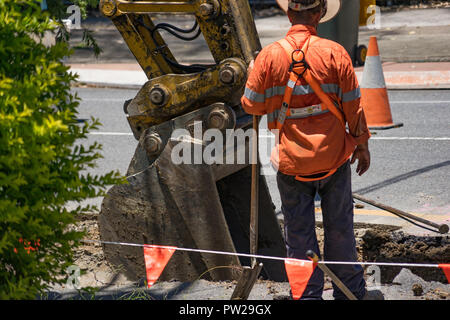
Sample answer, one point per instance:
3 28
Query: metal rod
331 274
442 228
254 191
250 274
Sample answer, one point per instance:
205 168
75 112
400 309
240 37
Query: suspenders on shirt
300 68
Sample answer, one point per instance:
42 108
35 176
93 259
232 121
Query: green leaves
44 155
89 40
58 11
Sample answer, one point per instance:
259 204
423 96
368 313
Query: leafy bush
44 159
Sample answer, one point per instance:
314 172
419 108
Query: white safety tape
263 257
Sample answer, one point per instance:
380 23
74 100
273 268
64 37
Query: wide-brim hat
333 7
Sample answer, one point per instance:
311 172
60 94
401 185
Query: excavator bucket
192 206
194 203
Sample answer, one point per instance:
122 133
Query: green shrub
44 159
58 11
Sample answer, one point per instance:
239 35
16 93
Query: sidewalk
414 75
122 75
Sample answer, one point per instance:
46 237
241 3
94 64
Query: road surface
410 165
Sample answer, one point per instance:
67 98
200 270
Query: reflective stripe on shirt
351 95
298 113
301 90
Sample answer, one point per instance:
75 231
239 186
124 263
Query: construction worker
314 150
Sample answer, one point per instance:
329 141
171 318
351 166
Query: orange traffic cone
374 97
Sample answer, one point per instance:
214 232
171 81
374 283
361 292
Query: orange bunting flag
298 272
156 259
446 269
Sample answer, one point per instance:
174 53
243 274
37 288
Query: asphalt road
410 167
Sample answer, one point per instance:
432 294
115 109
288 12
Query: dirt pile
95 270
385 246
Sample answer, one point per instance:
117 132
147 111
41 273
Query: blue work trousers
297 199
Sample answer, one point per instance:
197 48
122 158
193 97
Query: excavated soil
384 246
89 256
381 243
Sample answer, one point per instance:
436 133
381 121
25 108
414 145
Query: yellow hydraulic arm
173 89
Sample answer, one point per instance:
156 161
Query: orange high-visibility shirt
312 140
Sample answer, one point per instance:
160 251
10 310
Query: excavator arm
174 89
194 205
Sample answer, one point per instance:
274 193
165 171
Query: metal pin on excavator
195 205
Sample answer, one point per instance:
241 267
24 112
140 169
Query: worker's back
312 139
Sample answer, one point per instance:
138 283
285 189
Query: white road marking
421 102
103 100
270 136
111 133
391 101
411 138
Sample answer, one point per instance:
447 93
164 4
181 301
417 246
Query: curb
414 75
105 85
110 78
414 80
127 79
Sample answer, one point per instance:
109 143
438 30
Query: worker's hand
250 67
363 155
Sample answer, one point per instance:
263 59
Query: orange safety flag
446 269
298 272
156 258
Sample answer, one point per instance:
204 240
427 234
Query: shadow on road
402 177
